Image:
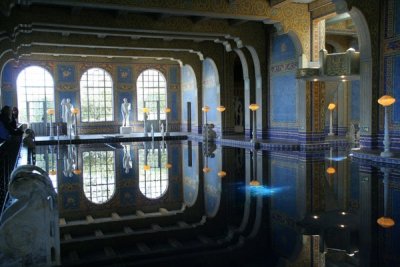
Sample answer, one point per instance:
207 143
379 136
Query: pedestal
125 130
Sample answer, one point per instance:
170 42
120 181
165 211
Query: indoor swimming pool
176 203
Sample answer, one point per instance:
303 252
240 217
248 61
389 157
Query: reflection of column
385 221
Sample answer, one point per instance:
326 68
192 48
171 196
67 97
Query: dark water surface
193 204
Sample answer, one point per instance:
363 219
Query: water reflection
297 210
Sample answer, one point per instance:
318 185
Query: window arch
35 90
96 89
153 180
151 89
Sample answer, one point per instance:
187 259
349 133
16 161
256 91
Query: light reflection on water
263 190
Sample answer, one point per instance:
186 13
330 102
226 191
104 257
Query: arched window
96 96
151 90
98 175
35 90
153 172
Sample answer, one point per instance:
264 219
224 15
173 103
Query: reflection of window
98 175
153 183
151 88
96 96
35 90
46 160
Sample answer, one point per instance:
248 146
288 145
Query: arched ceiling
144 25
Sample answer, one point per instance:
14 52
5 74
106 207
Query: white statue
127 159
67 116
162 131
125 109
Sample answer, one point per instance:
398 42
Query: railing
9 151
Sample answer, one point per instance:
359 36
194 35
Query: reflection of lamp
145 111
52 171
167 110
168 165
75 112
331 107
221 174
384 221
331 170
254 107
221 109
50 112
254 181
76 170
386 101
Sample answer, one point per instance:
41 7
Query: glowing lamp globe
386 100
331 106
77 171
52 172
330 170
75 110
168 165
146 167
254 183
50 111
385 222
206 170
254 107
145 110
206 109
167 110
221 174
221 108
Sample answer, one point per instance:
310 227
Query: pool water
182 202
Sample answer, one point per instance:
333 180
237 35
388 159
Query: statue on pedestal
66 114
125 109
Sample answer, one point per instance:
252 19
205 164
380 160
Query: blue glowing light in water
337 158
262 190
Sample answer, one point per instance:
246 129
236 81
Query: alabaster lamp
253 108
205 109
221 109
331 107
75 112
51 112
386 101
145 111
167 111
